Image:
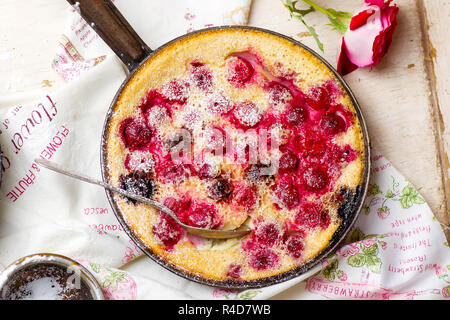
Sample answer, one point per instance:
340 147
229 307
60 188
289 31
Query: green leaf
448 267
329 271
373 264
374 189
408 190
366 210
370 251
248 295
390 194
356 235
95 267
339 274
418 199
406 202
341 21
358 260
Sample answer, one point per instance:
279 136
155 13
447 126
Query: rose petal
344 66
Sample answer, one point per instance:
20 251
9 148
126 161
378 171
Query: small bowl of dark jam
46 276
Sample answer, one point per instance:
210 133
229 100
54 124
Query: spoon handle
76 175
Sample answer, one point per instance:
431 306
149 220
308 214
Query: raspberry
294 245
178 206
332 124
176 91
286 192
264 259
220 190
134 133
138 183
234 271
245 197
202 216
288 162
267 234
315 178
239 71
247 114
168 231
201 77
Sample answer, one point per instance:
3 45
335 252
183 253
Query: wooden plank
436 19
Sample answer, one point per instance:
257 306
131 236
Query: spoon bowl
201 232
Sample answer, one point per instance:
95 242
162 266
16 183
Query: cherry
172 172
311 144
319 98
247 114
279 94
239 71
296 116
288 162
220 190
157 115
138 183
295 245
234 271
286 192
332 124
168 231
256 173
264 259
315 178
134 133
139 161
176 91
178 206
206 171
201 77
202 215
219 103
312 215
245 196
267 234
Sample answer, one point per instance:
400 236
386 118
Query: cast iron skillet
112 27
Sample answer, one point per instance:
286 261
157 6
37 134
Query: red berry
312 215
219 103
134 133
245 197
201 77
172 172
234 271
288 162
319 98
295 245
168 231
178 206
287 192
203 216
296 116
332 124
220 190
239 71
264 259
247 114
315 178
138 183
311 144
176 91
267 234
279 95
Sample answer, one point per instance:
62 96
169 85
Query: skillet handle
112 27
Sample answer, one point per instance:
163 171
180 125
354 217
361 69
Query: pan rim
342 231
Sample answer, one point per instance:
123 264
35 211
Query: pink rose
367 243
383 212
368 37
348 250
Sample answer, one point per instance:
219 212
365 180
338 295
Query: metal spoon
205 233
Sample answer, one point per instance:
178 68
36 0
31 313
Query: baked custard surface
227 89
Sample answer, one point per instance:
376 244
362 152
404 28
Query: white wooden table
406 99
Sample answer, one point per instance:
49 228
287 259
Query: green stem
319 8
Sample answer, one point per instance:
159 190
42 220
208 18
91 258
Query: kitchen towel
396 250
